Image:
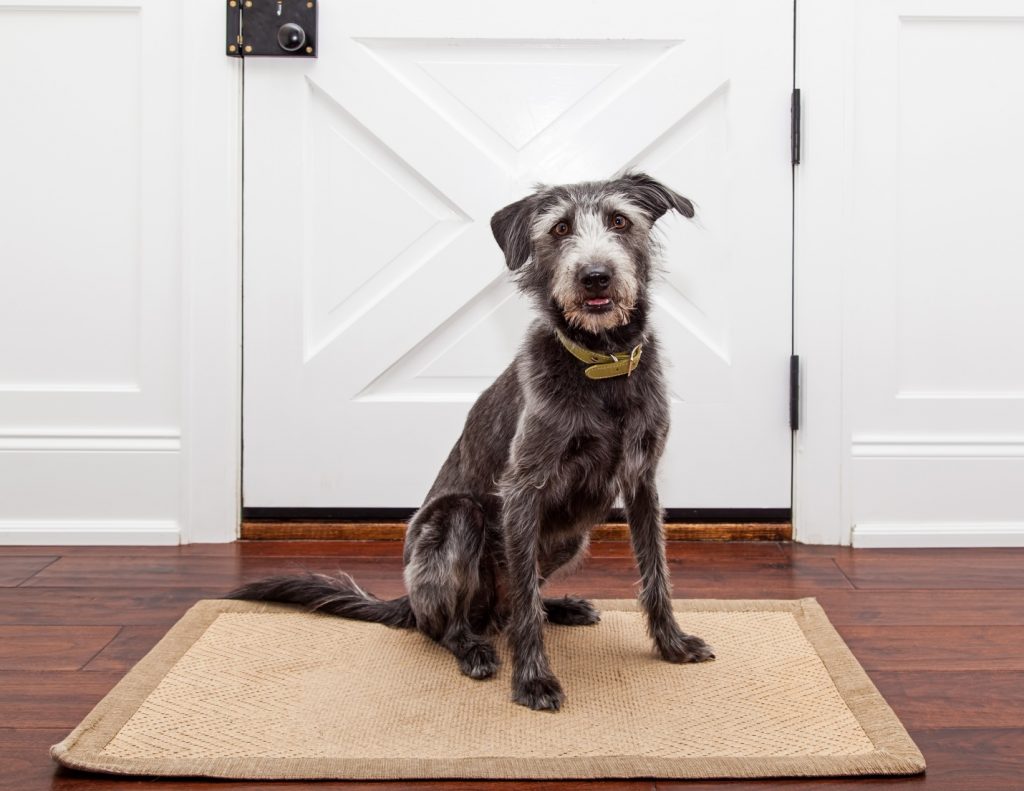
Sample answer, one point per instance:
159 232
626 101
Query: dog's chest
597 447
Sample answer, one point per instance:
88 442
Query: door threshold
265 530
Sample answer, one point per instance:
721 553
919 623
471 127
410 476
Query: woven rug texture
258 691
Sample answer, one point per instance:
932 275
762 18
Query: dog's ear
511 229
654 197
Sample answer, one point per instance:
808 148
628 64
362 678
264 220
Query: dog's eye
620 223
561 229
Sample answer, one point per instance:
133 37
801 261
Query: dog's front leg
647 534
533 683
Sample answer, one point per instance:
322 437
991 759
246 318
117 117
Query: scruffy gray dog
577 419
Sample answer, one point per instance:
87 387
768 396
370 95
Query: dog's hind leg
475 654
570 611
443 575
561 558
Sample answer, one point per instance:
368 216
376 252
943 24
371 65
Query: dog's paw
539 694
685 648
570 611
480 661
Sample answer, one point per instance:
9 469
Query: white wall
107 144
910 273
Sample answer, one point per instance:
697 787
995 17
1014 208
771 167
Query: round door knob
291 37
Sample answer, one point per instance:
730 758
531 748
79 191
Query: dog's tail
338 595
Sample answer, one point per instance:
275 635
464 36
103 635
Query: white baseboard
79 532
938 534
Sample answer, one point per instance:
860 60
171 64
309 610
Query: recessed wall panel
70 198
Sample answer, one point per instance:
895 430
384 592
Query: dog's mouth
597 312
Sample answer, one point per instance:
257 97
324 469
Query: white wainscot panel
961 199
89 487
938 491
70 198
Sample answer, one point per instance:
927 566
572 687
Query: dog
579 418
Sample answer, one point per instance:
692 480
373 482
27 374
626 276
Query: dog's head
585 249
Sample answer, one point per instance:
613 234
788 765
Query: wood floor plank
936 647
971 760
233 549
768 551
816 573
796 549
25 763
99 606
81 781
390 549
222 573
934 568
958 760
227 572
289 548
15 569
930 699
128 647
65 647
604 548
695 574
702 549
55 699
924 607
118 550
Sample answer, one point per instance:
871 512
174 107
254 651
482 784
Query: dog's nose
595 278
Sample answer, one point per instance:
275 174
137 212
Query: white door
376 302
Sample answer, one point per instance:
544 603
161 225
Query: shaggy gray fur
544 452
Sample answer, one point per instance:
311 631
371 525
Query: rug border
895 753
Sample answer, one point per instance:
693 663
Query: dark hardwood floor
941 632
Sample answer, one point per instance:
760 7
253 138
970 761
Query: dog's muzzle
595 280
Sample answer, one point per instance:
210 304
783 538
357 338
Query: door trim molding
211 285
821 230
81 440
86 532
891 535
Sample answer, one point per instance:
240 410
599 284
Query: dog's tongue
599 301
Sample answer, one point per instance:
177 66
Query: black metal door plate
275 28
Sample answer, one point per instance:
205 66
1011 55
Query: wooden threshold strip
613 531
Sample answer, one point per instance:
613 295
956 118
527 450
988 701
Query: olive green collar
603 366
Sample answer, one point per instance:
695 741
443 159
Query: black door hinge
276 28
794 392
794 127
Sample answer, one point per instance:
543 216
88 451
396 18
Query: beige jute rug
245 690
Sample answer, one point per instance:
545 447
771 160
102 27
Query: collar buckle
634 358
603 365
